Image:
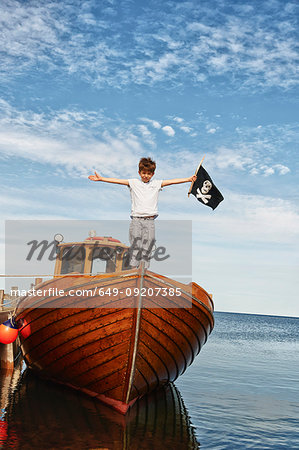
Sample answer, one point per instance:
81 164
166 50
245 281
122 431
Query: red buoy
8 332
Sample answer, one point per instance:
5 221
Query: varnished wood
118 347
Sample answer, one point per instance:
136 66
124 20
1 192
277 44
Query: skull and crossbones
202 193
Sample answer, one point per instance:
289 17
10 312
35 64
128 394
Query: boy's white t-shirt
144 197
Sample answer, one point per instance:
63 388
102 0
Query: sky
96 85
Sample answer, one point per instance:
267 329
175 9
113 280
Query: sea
241 392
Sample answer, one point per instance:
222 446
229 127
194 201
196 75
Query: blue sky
91 85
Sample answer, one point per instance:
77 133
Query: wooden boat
117 335
40 414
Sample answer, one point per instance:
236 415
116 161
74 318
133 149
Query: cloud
266 170
158 45
73 140
240 220
83 155
233 158
282 170
211 130
260 218
144 131
250 156
178 119
155 70
81 140
168 130
271 170
244 47
153 123
146 135
186 129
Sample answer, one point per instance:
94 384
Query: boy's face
146 175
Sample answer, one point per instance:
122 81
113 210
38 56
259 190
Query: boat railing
7 302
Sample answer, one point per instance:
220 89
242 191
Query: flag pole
195 174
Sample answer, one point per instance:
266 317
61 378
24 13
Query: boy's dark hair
147 164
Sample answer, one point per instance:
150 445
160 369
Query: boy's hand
95 177
193 178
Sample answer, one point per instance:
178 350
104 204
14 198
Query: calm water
241 392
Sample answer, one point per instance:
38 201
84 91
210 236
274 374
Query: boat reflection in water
8 383
41 414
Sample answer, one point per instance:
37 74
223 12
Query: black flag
205 190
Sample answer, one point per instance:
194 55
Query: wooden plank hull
114 347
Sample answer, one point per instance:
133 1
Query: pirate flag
205 190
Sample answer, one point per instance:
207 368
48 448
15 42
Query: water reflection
40 414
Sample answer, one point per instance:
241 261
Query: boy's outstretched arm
178 181
97 177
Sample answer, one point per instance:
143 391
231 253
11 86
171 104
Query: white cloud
168 130
37 202
155 70
267 170
146 134
82 156
240 220
271 170
153 123
249 50
81 140
260 218
144 130
236 159
282 170
186 129
211 130
71 139
178 119
245 158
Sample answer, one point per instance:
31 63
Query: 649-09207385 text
100 291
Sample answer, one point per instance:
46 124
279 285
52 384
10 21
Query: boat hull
114 347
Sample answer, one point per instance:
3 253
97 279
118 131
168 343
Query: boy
144 202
